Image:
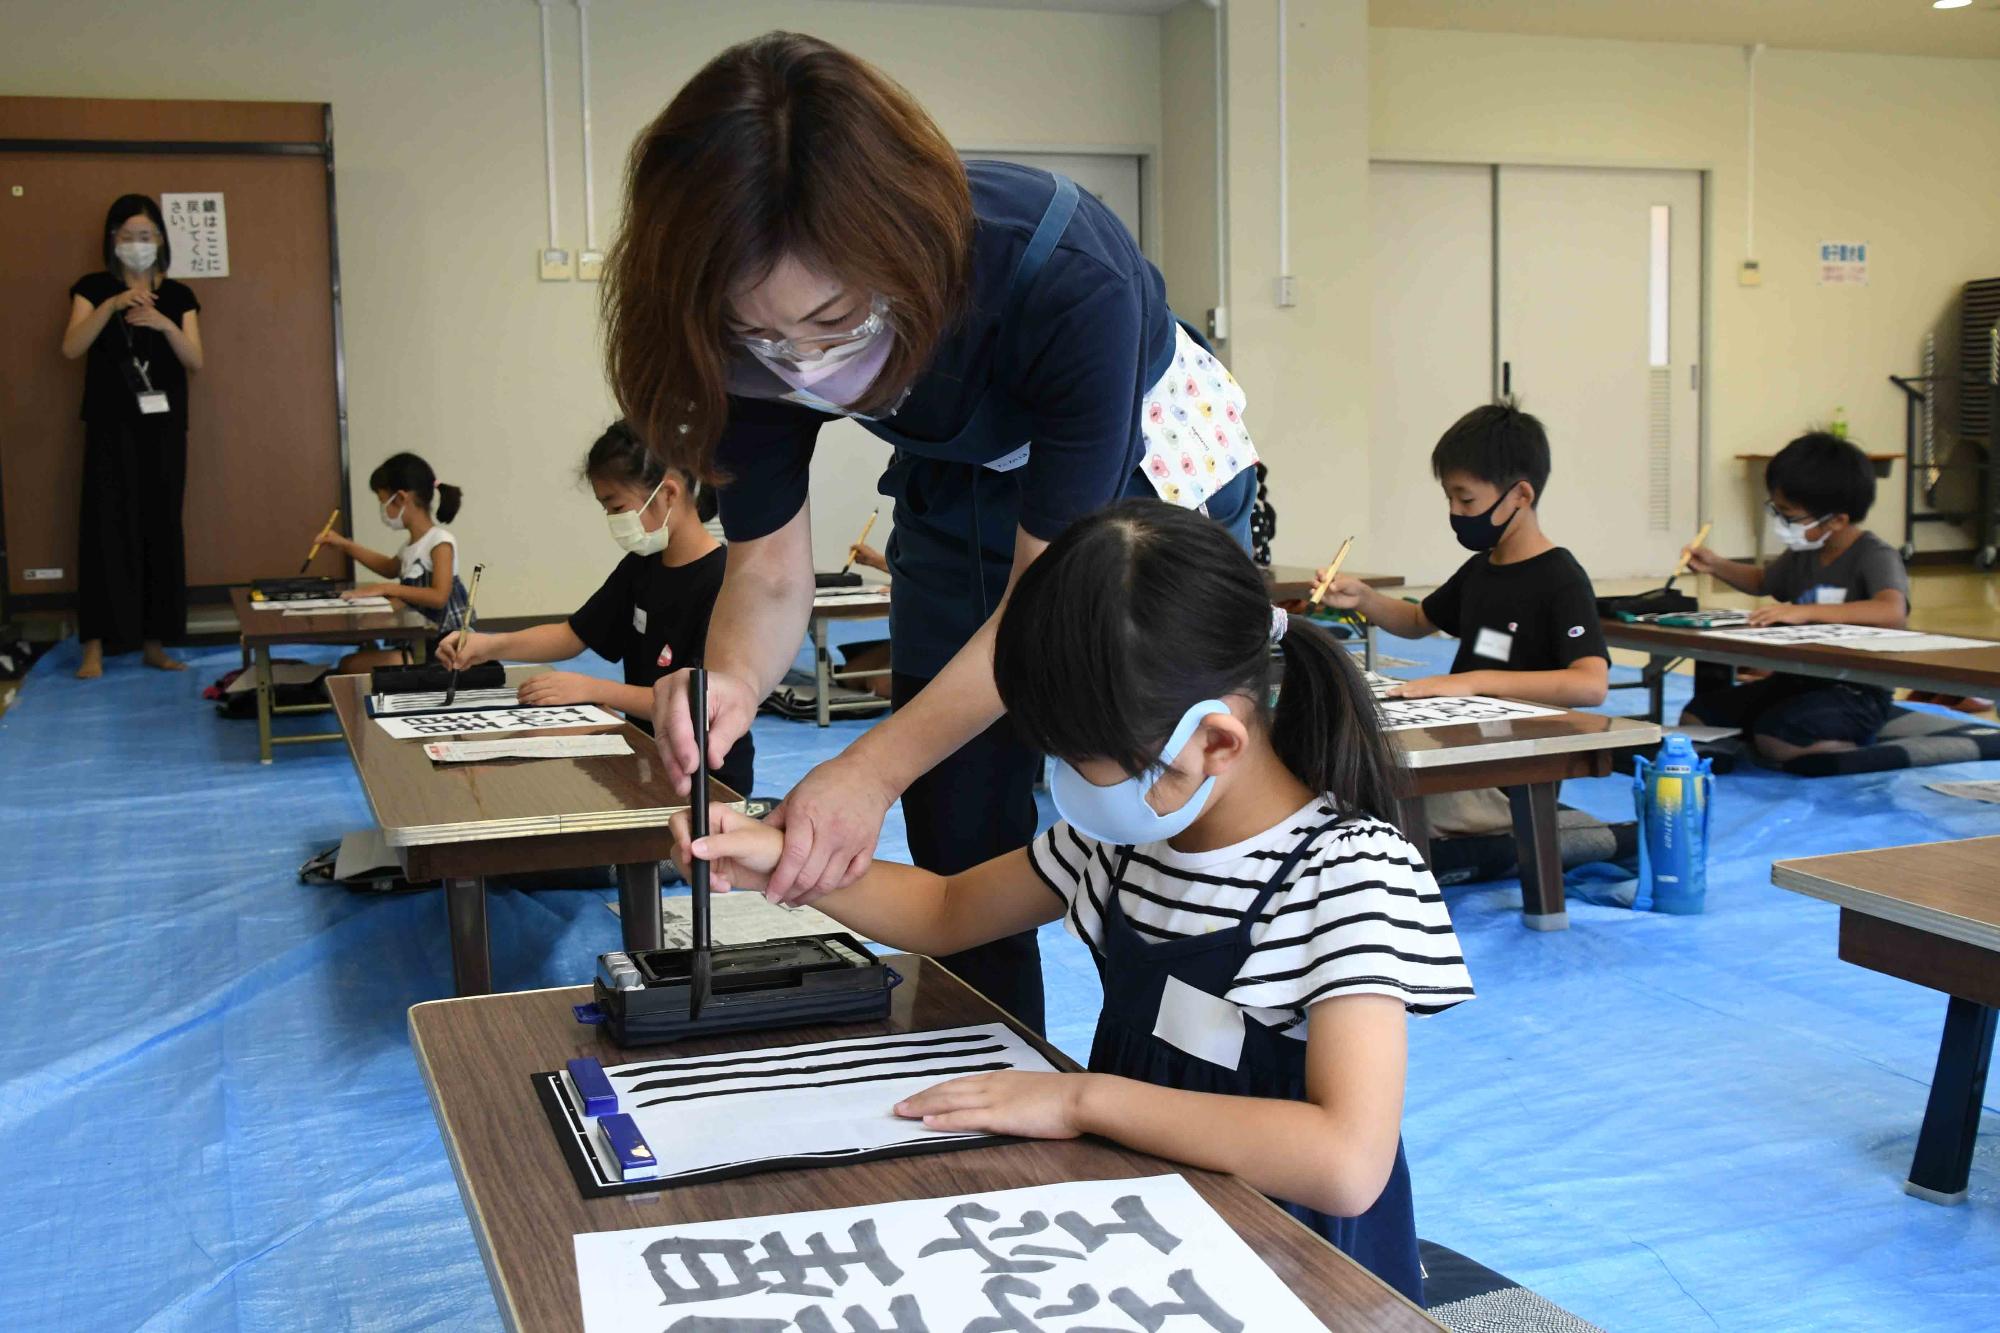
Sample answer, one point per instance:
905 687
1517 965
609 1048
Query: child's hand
1344 592
1701 559
867 557
1783 613
457 651
551 688
741 852
1429 687
368 590
1026 1105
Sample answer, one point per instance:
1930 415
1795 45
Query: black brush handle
698 975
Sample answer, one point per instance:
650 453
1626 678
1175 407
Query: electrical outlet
1287 294
1749 275
1218 324
41 575
589 265
555 265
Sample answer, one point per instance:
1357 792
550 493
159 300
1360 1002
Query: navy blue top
1093 324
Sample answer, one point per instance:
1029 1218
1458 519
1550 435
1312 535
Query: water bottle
1672 793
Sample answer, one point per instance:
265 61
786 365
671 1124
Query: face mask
1478 532
842 375
1792 534
1118 814
137 256
396 522
629 529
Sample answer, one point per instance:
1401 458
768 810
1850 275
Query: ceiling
1906 27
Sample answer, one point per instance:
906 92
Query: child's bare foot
156 658
92 665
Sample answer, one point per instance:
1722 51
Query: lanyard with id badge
152 401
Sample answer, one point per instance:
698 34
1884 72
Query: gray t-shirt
1856 575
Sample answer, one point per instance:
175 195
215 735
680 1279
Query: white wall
1897 151
454 349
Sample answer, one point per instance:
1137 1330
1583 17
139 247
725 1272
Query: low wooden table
463 822
1528 758
1928 913
264 629
477 1057
823 615
1954 671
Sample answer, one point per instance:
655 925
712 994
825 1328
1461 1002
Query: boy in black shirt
1521 608
652 612
1833 571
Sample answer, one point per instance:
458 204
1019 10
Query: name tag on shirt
639 619
1827 595
1019 458
1492 645
152 404
1206 1026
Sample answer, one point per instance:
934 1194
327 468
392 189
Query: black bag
432 677
1653 601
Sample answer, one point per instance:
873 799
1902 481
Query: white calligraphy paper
432 725
1451 710
1106 1255
198 235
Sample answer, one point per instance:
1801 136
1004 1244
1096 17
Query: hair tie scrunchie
1281 620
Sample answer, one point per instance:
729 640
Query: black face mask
1478 532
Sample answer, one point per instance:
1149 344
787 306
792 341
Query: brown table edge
1051 1053
1887 907
1620 634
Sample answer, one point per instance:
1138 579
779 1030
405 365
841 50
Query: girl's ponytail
448 497
1326 730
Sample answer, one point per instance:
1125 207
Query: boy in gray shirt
1833 571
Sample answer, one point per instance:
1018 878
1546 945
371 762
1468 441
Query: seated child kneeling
427 568
1833 572
1260 929
651 614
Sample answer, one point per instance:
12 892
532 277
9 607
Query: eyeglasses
806 348
1774 512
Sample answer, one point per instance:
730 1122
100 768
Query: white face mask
629 529
396 522
1792 534
138 256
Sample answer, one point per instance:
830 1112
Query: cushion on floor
1469 1297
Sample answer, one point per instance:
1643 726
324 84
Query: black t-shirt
107 396
1538 614
645 608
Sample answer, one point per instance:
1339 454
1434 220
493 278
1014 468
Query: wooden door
264 446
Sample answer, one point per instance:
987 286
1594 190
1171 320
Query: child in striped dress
1262 931
427 568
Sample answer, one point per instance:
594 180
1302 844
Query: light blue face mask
1118 814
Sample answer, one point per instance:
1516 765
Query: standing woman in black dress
141 334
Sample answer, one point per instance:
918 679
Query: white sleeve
1363 916
1074 868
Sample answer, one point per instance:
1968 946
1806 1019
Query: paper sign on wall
198 232
1843 263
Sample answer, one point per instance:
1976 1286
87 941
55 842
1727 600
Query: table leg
822 673
1416 827
1540 856
263 703
471 961
1943 1159
1655 676
639 904
1368 647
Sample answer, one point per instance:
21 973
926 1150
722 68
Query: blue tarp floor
210 1118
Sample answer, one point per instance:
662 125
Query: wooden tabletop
271 627
1950 889
857 609
1294 583
1978 669
618 805
1520 738
477 1056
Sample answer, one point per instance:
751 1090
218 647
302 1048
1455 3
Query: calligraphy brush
319 541
451 690
1332 572
698 972
1681 568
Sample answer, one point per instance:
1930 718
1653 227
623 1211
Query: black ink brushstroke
691 1080
825 1083
724 1062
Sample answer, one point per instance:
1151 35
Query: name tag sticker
1206 1026
639 619
152 404
1008 462
1828 595
1492 645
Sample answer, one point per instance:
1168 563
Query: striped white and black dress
1361 916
